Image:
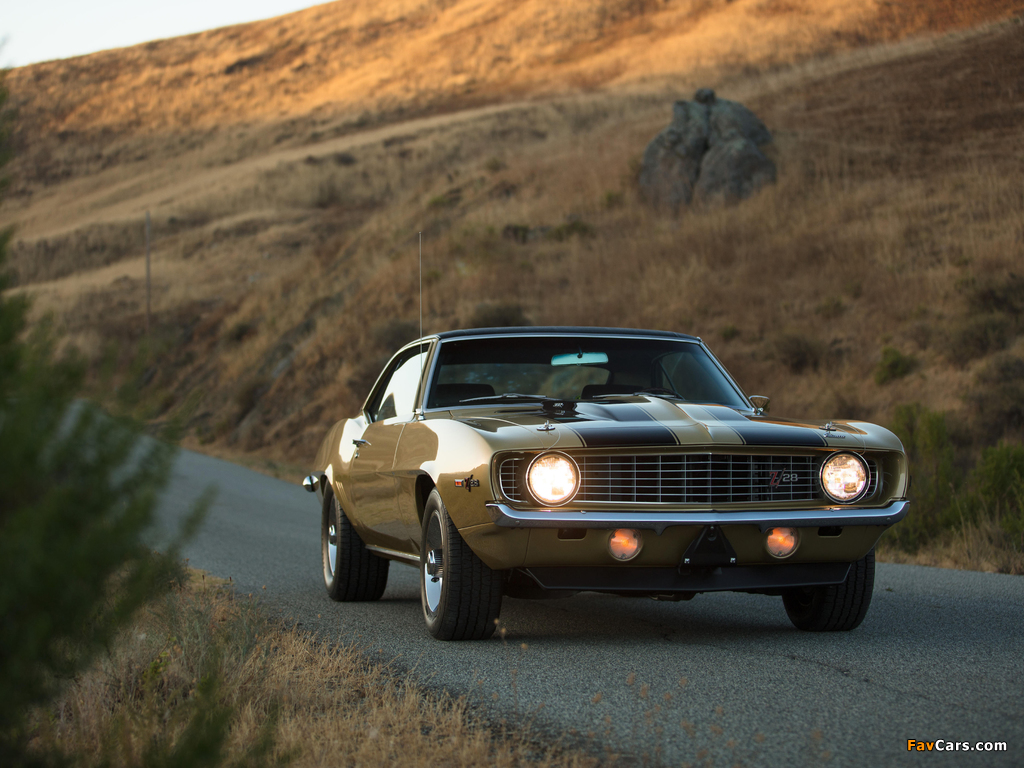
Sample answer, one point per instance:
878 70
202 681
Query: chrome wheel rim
433 566
332 541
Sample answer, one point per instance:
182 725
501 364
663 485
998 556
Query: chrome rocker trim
504 516
394 554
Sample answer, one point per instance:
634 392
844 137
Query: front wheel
836 607
352 573
461 596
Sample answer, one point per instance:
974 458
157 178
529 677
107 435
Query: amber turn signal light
782 542
624 544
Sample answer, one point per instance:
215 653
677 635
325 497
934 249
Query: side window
396 397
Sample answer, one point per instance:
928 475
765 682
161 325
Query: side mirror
760 403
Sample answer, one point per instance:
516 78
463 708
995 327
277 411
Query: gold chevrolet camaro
539 462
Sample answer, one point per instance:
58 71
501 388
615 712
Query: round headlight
844 477
553 478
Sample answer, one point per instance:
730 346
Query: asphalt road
940 656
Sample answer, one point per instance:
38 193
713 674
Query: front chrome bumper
507 517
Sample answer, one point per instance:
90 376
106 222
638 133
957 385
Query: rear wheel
461 596
837 607
352 573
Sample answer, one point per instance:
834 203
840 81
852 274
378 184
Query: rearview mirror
580 358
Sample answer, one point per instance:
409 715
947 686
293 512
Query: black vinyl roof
565 330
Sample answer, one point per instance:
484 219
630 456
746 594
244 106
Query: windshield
470 369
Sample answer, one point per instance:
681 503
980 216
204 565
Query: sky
39 30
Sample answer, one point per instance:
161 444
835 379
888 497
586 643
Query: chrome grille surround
686 478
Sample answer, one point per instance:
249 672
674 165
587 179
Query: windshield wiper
513 396
659 392
655 391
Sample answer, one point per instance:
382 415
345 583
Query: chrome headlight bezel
865 469
574 467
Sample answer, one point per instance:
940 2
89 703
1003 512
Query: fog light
782 542
624 544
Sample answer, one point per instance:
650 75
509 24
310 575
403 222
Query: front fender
457 460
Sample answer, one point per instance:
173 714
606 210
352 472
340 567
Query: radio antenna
421 285
423 362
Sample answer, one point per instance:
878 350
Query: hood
644 421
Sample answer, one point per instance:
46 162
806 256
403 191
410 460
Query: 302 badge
468 483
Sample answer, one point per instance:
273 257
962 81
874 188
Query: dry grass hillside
338 67
412 53
290 164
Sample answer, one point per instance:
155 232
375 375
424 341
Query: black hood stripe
779 436
621 412
762 432
601 435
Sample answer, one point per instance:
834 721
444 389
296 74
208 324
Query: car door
373 485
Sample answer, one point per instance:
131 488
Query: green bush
894 365
997 484
449 199
830 308
949 492
935 477
996 401
798 353
613 199
393 334
498 316
574 228
975 337
996 294
78 489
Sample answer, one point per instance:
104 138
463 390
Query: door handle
358 442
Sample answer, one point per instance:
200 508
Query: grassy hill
289 165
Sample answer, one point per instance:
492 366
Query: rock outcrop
710 152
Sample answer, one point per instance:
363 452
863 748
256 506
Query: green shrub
894 365
449 199
393 334
935 478
498 316
996 401
78 490
995 294
831 308
613 199
975 337
573 228
797 352
998 485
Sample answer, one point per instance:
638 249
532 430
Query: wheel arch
424 485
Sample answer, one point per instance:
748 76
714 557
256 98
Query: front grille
690 478
508 476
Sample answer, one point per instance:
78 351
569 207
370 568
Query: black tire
462 597
835 608
352 573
